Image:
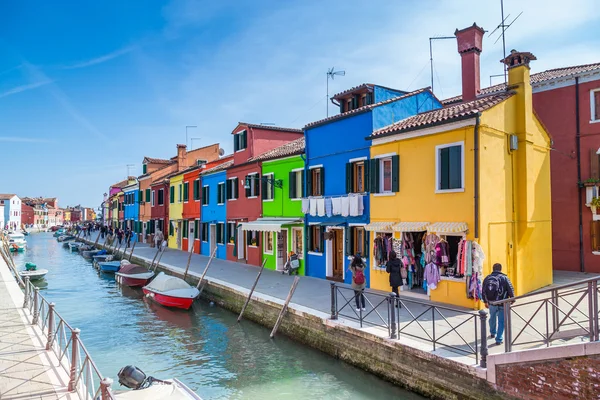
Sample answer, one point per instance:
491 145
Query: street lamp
278 183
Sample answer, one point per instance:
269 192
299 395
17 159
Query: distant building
12 210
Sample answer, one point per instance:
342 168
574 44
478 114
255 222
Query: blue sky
89 87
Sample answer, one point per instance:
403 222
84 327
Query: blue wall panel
213 212
381 93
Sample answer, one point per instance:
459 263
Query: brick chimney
517 63
469 42
181 157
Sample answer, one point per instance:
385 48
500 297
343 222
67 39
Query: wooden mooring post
252 290
132 248
163 248
285 306
187 267
205 270
98 238
154 259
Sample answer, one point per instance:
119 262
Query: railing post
595 307
74 359
391 305
50 326
333 301
507 328
105 389
36 306
483 315
555 311
26 300
591 311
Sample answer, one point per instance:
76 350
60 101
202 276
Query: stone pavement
27 370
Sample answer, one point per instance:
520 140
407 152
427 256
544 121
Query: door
281 249
338 254
241 243
178 234
213 238
190 235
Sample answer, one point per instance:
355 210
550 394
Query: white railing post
26 300
105 389
36 306
50 326
74 359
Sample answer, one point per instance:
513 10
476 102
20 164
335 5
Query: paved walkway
27 370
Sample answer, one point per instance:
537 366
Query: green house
282 221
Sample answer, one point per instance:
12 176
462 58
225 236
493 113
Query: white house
12 210
1 215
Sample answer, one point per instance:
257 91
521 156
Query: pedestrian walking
158 239
357 267
496 287
120 236
394 268
128 235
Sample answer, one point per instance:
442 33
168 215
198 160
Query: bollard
26 300
50 326
333 302
74 359
391 305
105 389
484 348
36 306
507 328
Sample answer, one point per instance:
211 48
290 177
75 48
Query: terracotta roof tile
363 86
449 113
150 160
6 196
123 182
289 149
220 167
535 78
271 127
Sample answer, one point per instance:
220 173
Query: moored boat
133 275
16 242
171 291
109 267
74 246
65 238
90 253
32 272
101 258
149 388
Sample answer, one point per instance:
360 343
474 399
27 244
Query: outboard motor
132 377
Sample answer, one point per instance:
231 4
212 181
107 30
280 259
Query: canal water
204 347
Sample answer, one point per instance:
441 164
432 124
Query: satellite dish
221 152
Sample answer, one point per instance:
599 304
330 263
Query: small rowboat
149 388
109 267
88 254
171 291
133 275
32 272
74 246
101 258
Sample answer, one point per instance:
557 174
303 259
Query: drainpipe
579 194
476 170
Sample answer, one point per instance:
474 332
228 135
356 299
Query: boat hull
169 301
108 269
132 281
34 275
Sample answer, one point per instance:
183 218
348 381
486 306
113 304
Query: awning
447 227
379 226
269 224
410 226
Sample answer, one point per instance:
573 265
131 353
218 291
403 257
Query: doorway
213 238
281 249
337 254
191 236
241 243
178 234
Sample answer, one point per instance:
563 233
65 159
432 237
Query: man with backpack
496 287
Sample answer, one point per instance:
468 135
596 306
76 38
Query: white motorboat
171 291
34 275
149 388
74 246
16 242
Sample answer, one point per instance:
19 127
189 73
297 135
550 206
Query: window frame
295 242
356 243
161 191
231 227
269 186
221 239
233 182
221 193
438 167
197 189
382 162
186 192
355 169
593 111
267 234
205 195
316 184
238 142
316 239
205 235
253 187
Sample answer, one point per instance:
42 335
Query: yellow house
478 171
176 197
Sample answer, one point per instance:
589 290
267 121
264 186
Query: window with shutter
205 195
317 181
186 191
449 168
236 188
147 195
595 105
292 185
144 168
594 164
185 229
315 239
595 235
172 194
267 187
196 228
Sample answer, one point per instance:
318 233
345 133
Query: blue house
131 205
339 172
213 210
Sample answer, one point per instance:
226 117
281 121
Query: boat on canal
149 388
171 291
88 254
64 238
109 267
32 272
74 246
133 275
16 242
101 258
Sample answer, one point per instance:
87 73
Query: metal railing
405 317
563 313
84 377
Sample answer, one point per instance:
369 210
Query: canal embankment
439 373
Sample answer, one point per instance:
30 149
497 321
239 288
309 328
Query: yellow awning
447 227
379 226
410 226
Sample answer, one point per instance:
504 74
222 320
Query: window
185 228
356 241
251 185
197 189
240 140
296 184
450 167
172 194
221 193
161 197
385 174
594 164
268 242
267 186
231 232
595 105
298 242
200 162
152 202
180 194
220 233
196 229
315 181
232 189
144 168
315 239
356 175
595 235
171 228
186 191
205 199
205 232
252 238
148 196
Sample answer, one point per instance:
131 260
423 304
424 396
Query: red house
243 191
159 201
191 208
26 214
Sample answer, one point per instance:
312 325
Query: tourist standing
158 239
496 287
358 281
394 268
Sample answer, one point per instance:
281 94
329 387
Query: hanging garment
313 207
336 205
345 206
432 276
353 201
305 206
328 207
361 205
478 258
321 207
469 257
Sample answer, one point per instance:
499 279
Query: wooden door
338 254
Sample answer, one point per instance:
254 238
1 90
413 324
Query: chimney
469 42
181 157
517 64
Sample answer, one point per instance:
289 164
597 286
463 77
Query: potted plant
594 204
232 240
253 242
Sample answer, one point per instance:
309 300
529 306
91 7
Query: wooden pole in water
163 247
205 270
105 240
97 238
132 248
285 306
187 267
154 259
252 290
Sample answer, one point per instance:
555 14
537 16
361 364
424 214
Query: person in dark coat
394 268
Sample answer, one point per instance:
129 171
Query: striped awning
379 226
447 227
269 224
410 226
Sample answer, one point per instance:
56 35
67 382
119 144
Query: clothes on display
411 255
382 245
320 207
328 207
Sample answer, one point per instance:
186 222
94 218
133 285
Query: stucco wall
213 212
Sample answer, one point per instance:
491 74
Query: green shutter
228 189
367 175
263 189
292 185
196 229
395 173
248 190
244 140
236 188
348 241
236 147
170 228
374 176
195 190
349 177
366 237
207 195
309 237
302 190
144 168
308 190
185 191
219 233
147 195
172 194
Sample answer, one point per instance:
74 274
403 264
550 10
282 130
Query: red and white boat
171 291
133 275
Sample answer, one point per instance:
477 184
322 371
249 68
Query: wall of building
382 93
389 113
161 212
214 212
176 210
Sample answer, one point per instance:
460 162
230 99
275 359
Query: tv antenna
504 25
331 73
186 133
129 166
431 39
192 142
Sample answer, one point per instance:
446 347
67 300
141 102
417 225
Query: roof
443 115
289 149
123 183
536 78
271 127
363 86
7 196
366 108
220 167
150 160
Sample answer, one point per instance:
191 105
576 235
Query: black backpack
492 288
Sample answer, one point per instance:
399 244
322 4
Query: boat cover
164 283
132 269
176 391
